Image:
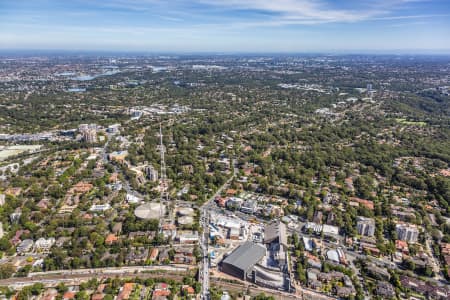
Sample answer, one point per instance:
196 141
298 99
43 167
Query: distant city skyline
227 26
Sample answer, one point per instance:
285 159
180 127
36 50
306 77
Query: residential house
187 290
385 290
137 255
153 254
43 245
25 246
111 239
125 291
13 191
161 290
69 295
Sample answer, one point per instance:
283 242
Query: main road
204 221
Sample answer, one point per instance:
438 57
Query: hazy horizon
393 52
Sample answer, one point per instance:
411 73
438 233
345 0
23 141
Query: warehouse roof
246 256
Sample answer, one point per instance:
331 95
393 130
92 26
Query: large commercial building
265 265
241 261
365 226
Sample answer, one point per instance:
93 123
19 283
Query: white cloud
307 11
274 12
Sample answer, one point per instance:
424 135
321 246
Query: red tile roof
69 295
367 203
126 291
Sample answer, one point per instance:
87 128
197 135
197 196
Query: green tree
6 270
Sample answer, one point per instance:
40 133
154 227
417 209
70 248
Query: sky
227 26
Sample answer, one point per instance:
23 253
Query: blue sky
227 25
